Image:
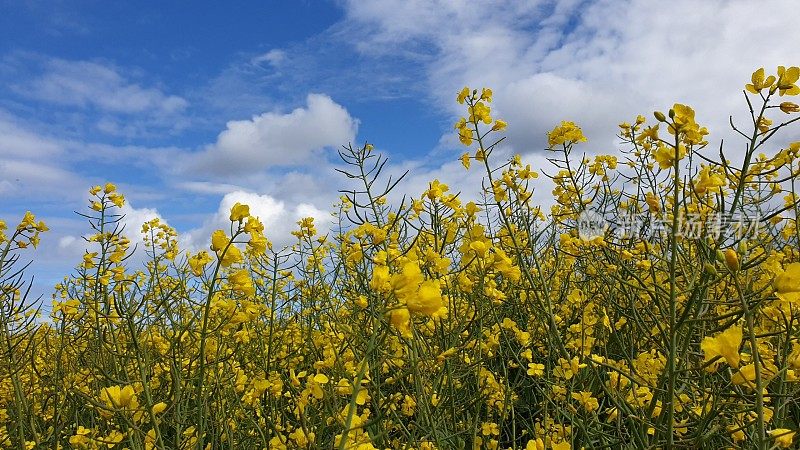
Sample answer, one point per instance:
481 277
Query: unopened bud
742 247
710 269
671 113
660 116
732 260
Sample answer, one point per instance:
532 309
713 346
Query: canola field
656 304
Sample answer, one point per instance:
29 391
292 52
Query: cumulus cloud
276 139
279 219
597 63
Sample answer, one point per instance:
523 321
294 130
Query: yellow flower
239 212
465 160
88 259
401 320
535 369
254 225
787 79
783 437
535 444
745 375
758 81
725 344
684 124
789 107
380 278
479 112
159 407
231 256
708 181
428 299
462 95
652 202
119 397
566 133
419 296
117 199
665 155
787 283
586 400
198 262
109 188
258 244
789 279
563 445
241 282
28 221
219 240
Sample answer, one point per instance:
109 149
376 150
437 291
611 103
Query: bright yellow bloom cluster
565 134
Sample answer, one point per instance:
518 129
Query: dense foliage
656 304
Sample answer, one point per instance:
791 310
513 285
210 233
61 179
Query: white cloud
275 139
274 57
135 218
30 179
278 217
597 63
17 141
86 83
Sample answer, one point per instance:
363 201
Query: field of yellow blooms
439 323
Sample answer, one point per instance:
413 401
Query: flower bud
732 260
789 107
660 116
742 247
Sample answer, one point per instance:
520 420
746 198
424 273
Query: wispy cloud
100 95
87 84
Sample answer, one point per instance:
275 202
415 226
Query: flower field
655 304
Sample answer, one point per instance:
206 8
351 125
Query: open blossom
241 282
725 344
123 397
565 133
198 262
787 283
239 212
708 182
420 296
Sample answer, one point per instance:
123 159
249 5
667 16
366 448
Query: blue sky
191 106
